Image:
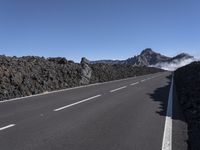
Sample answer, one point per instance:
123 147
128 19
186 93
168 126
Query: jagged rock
85 61
86 71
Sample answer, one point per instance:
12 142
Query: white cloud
174 65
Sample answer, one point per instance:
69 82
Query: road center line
134 83
167 136
143 80
6 127
67 106
118 89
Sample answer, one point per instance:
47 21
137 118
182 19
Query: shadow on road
179 129
161 95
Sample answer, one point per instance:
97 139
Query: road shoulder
179 130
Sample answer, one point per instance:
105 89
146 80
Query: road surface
127 114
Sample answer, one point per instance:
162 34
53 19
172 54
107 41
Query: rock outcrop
86 71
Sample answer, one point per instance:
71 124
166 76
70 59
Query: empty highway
127 114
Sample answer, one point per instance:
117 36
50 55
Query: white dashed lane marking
6 127
67 106
118 89
134 83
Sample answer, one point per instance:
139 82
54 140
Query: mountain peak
147 51
184 55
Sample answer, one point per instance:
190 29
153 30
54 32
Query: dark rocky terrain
148 58
23 76
187 81
106 72
32 75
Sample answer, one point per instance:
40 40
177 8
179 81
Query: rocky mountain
181 56
175 62
148 57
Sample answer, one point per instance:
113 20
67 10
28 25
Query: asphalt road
121 115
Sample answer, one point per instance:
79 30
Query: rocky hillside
30 75
187 81
150 58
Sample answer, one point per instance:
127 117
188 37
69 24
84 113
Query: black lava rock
23 76
187 80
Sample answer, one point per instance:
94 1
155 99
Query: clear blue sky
98 29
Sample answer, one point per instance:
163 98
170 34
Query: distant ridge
148 57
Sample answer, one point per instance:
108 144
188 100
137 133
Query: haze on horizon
99 29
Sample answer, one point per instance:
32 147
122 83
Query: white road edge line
167 136
118 89
134 83
67 106
6 127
